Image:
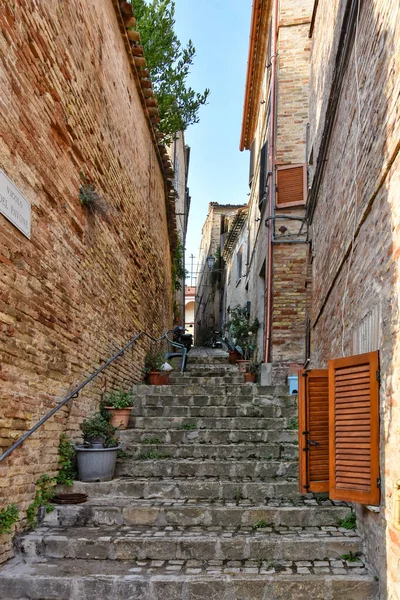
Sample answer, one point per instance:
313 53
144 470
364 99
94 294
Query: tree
169 64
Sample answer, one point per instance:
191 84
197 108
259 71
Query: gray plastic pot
96 464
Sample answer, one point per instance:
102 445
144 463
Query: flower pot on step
120 416
242 364
234 356
158 378
249 377
96 464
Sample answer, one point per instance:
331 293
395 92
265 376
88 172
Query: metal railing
77 390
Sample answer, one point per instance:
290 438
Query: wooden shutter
263 174
354 429
291 185
251 165
313 431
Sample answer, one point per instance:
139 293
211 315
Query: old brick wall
370 283
84 283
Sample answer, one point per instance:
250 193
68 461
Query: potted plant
119 404
97 456
153 368
243 334
251 372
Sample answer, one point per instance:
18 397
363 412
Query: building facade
89 263
274 129
354 216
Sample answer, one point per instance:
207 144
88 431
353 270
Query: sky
219 30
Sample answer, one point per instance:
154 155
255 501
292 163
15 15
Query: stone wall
360 204
85 282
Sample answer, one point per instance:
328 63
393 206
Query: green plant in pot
97 456
153 368
251 371
243 333
119 404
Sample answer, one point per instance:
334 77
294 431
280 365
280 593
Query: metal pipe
75 392
268 290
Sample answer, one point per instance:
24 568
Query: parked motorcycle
179 336
216 341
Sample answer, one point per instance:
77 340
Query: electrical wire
355 181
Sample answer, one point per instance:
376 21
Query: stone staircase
205 506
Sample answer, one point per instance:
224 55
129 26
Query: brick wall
75 292
373 274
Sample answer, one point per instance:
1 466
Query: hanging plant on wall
91 200
179 273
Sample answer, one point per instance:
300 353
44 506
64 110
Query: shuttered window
313 431
251 166
263 174
291 184
354 429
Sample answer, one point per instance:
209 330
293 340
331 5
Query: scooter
179 336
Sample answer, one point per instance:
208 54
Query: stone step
195 488
223 469
77 579
232 423
193 512
217 451
250 390
226 379
185 543
214 400
216 412
206 436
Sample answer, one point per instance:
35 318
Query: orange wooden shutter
313 431
354 429
291 185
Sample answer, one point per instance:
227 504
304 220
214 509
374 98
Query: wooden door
354 429
313 431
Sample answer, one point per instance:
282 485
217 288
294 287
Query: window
291 184
263 174
251 166
239 260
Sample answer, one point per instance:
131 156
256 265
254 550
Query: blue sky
219 30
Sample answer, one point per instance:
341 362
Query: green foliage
243 333
8 516
90 199
45 490
119 399
169 64
152 455
252 367
122 454
66 460
351 556
99 428
188 426
260 524
293 423
151 440
348 522
216 271
179 273
153 360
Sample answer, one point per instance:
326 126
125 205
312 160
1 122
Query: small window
251 166
263 174
291 185
239 261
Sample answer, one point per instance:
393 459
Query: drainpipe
268 290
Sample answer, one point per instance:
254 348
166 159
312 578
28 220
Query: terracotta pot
157 378
242 364
249 377
120 416
234 356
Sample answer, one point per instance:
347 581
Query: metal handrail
76 391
